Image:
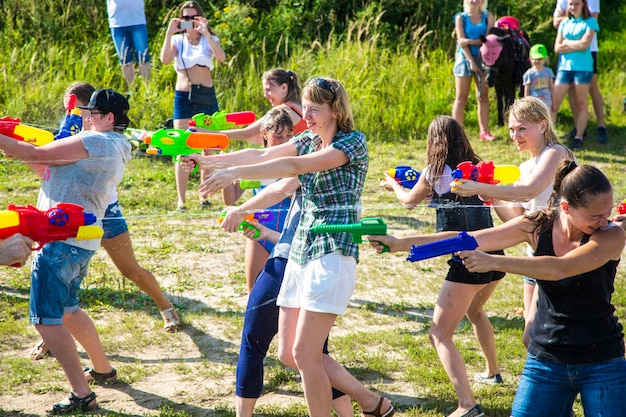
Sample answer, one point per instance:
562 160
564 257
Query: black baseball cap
107 100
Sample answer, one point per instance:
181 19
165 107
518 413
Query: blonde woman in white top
532 131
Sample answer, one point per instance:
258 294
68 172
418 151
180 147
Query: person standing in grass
127 21
576 341
116 240
463 293
193 51
15 250
539 79
331 161
560 13
97 157
261 317
469 25
532 131
576 64
276 128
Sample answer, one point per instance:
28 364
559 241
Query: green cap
538 52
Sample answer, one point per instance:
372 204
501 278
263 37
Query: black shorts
458 273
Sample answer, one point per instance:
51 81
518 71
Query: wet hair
533 110
282 76
275 120
447 144
81 90
483 6
575 184
585 13
330 91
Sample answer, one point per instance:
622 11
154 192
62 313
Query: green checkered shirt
330 197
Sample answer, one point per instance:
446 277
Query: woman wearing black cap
82 169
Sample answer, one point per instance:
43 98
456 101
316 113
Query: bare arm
168 52
250 133
291 166
527 188
270 195
603 246
242 157
411 198
494 238
60 152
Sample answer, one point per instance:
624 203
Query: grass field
382 340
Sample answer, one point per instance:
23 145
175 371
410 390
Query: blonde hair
329 90
533 110
466 6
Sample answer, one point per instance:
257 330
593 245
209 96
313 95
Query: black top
575 321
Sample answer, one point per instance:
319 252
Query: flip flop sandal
40 351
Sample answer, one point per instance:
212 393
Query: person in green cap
539 79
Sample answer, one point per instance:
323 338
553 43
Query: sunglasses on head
323 83
188 18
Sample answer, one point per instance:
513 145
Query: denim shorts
113 221
131 43
57 271
184 109
322 285
575 77
462 66
549 388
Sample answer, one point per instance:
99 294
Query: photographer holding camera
192 45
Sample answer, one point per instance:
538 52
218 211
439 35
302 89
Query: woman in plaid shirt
331 161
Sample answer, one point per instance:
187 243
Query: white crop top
189 55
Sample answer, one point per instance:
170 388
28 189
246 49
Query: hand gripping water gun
178 142
405 175
486 172
221 120
367 226
443 247
73 122
14 129
58 223
263 216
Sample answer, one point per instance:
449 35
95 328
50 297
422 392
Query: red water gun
12 128
62 222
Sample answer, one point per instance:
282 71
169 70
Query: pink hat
508 22
490 51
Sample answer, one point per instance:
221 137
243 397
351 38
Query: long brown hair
447 144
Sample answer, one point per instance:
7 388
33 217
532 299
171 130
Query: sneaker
603 136
205 203
487 136
577 144
572 134
491 380
182 208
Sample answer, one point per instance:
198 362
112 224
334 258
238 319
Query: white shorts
322 285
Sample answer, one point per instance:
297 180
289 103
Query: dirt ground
192 370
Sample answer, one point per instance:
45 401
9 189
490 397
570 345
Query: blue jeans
131 43
548 389
57 271
113 221
184 109
260 325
